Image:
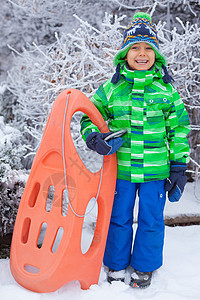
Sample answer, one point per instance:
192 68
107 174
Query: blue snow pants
146 253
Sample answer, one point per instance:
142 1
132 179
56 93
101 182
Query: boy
154 154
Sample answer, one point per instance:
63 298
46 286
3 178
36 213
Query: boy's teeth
141 61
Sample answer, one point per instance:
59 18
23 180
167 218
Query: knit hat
140 30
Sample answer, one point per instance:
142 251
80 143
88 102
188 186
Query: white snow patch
177 279
6 131
189 204
2 89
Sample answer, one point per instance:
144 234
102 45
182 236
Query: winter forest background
48 46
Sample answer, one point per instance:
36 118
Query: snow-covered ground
189 203
177 279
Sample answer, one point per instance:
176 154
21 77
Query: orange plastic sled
43 269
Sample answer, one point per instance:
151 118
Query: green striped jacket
156 120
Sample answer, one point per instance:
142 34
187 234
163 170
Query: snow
6 131
177 279
189 203
118 274
2 89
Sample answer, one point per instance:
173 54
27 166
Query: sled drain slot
87 237
31 269
57 240
50 197
25 230
65 202
34 194
42 235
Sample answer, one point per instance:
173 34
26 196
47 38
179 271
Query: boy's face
140 57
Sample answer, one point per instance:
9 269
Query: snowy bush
12 178
82 60
26 21
183 52
163 10
9 203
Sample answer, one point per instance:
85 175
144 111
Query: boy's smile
140 57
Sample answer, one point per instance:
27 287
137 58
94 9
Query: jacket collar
144 77
123 70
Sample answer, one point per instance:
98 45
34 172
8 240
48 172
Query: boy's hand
175 184
101 143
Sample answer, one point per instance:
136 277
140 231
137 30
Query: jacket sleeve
100 101
177 127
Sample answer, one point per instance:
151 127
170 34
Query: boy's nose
142 52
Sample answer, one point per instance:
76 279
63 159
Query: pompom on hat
142 30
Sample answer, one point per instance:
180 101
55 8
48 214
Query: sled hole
50 197
91 159
25 230
89 225
65 202
31 269
43 229
57 240
53 160
34 194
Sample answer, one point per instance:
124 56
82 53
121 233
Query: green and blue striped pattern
155 118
